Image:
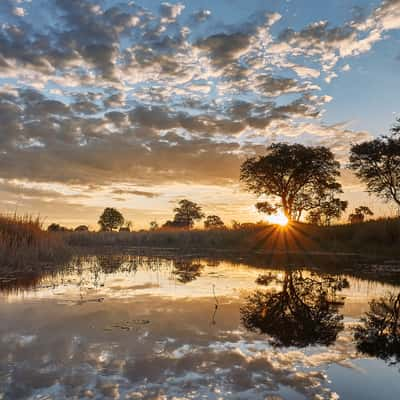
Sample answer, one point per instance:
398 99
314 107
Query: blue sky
138 104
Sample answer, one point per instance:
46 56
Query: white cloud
19 11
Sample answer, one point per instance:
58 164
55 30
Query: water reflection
187 270
303 312
379 332
136 327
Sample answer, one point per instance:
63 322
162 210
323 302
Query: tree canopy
329 209
110 219
57 228
294 177
213 222
377 164
359 214
186 214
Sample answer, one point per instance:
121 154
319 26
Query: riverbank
374 238
25 245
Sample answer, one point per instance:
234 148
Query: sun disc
278 219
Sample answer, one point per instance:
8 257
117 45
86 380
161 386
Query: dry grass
23 243
379 237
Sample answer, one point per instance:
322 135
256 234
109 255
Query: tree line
300 181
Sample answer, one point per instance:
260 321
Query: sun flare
278 219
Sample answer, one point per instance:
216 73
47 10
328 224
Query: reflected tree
186 271
302 313
379 332
109 264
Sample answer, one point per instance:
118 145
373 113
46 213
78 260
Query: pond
139 327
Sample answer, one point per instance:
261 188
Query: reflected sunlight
277 219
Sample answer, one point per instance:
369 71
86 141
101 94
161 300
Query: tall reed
24 243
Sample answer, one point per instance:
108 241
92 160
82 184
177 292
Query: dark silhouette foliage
110 219
304 312
81 228
359 214
298 178
57 228
379 332
213 222
186 270
377 164
185 215
329 210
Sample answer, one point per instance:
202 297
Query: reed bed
24 243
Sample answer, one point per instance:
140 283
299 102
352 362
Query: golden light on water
278 219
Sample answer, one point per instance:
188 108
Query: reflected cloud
137 327
74 356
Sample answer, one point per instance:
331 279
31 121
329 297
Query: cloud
202 15
143 193
170 12
19 11
120 93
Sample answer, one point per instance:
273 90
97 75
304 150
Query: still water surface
129 327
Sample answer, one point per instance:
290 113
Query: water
128 327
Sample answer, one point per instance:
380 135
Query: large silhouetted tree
303 312
295 178
377 164
110 219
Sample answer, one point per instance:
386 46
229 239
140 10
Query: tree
57 228
359 214
110 219
295 178
186 214
213 222
328 210
377 164
81 228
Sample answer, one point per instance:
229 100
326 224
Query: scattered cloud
121 93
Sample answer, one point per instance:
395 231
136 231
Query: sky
136 105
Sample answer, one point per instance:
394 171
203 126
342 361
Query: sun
278 219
